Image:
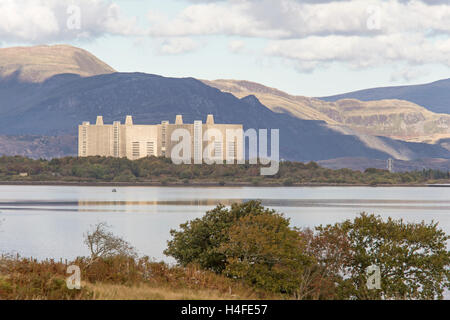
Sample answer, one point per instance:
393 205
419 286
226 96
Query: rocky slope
398 119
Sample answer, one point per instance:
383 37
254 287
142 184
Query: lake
49 221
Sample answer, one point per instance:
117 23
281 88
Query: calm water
49 221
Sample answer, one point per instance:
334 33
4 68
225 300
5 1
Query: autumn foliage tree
265 252
412 257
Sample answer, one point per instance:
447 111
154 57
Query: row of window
136 149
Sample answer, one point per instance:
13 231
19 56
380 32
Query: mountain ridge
56 105
435 96
397 119
64 101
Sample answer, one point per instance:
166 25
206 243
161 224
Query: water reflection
49 221
136 206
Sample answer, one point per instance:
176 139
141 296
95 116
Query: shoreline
204 184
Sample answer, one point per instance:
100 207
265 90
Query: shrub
412 257
288 182
25 279
265 252
199 240
102 243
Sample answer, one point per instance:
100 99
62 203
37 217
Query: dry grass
38 63
118 278
104 291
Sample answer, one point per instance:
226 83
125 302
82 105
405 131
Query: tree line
163 171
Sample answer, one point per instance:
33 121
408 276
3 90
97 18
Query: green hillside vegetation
162 171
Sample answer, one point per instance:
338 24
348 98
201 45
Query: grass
104 291
118 278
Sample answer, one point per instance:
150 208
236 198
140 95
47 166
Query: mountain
276 100
34 115
36 64
397 119
434 96
60 103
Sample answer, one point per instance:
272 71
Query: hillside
396 119
276 100
434 96
36 109
58 105
36 64
37 146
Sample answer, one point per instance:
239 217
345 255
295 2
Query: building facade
220 142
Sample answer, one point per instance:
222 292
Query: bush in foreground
199 241
262 250
413 258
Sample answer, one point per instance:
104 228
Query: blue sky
311 48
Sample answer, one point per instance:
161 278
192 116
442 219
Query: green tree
265 252
412 257
199 241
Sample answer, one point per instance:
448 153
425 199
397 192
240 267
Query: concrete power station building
139 141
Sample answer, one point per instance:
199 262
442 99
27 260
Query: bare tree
102 243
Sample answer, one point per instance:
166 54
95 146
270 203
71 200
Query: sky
304 47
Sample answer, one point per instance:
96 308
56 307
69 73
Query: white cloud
297 19
26 22
236 46
316 34
361 52
40 21
177 46
408 74
310 33
214 19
